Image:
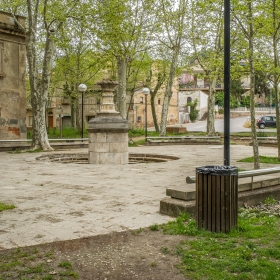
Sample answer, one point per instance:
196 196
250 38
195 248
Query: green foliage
270 201
154 227
34 151
153 264
67 132
249 134
248 252
219 100
184 224
4 206
193 111
32 263
245 101
263 159
67 265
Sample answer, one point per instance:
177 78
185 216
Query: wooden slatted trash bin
217 198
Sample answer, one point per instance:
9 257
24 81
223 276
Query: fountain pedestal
108 137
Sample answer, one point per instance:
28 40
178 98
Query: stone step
186 192
173 207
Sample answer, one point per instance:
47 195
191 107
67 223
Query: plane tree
173 16
122 31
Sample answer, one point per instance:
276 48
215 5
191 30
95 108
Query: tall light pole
226 82
82 88
146 91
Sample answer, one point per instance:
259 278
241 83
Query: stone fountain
108 137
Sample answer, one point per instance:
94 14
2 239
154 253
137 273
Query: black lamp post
82 88
146 91
226 82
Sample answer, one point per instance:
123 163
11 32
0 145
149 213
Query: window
90 118
141 99
158 101
139 119
30 120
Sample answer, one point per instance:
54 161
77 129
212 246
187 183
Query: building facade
12 77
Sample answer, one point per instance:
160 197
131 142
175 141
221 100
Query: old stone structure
12 77
108 138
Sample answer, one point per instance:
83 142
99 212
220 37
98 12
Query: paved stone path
56 201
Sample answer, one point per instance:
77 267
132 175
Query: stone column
108 138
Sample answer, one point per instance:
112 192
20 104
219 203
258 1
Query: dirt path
141 254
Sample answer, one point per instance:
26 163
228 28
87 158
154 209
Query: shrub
194 111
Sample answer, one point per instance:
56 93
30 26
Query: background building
12 77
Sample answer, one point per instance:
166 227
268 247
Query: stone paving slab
56 201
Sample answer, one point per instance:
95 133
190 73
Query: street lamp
82 88
226 82
146 91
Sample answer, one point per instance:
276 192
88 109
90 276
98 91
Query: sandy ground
57 202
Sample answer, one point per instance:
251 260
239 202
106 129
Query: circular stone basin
83 158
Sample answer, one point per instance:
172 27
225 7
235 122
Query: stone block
270 182
174 207
110 158
93 158
181 194
117 137
118 147
97 137
124 158
99 147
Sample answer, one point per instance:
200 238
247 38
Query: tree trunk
73 114
168 91
276 79
121 95
252 89
39 87
154 113
211 109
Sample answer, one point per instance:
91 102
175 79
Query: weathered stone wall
12 78
108 148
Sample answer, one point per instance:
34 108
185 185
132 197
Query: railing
50 140
182 137
245 174
8 145
247 109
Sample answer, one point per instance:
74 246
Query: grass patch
67 132
154 227
270 201
65 265
263 159
252 251
31 263
137 143
34 151
4 206
249 134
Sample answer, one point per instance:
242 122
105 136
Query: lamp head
146 90
82 87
